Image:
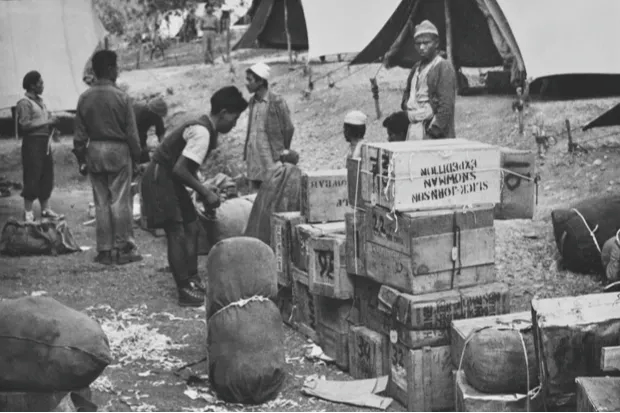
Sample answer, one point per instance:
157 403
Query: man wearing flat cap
354 130
430 94
270 129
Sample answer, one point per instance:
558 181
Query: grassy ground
137 303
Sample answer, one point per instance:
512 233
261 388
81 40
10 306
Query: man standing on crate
430 95
210 27
270 129
106 141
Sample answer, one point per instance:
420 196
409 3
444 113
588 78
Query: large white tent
560 37
344 26
55 37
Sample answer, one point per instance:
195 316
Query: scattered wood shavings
103 384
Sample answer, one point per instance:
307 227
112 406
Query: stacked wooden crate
310 250
421 244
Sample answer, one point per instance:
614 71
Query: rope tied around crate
357 188
591 231
503 326
240 303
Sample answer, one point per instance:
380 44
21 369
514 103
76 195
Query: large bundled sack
74 401
47 346
230 220
582 230
280 193
45 237
494 360
610 258
245 336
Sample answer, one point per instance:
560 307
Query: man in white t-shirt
174 166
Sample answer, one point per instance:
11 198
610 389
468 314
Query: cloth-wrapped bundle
244 327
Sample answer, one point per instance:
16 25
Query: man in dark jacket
430 95
106 137
174 166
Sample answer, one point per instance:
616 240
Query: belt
213 29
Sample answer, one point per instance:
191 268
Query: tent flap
65 35
474 41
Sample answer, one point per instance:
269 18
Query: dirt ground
151 336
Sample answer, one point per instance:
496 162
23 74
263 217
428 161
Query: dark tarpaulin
609 118
472 43
268 30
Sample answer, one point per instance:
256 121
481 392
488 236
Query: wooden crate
368 353
432 174
354 183
468 399
304 306
282 224
518 196
598 394
326 267
284 301
461 329
423 234
421 380
355 223
569 334
335 344
378 317
436 311
396 269
336 314
324 195
367 300
302 233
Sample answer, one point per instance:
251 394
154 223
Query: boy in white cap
354 130
270 129
430 94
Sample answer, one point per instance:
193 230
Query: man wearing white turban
270 129
430 95
354 129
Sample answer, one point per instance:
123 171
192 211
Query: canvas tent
54 37
323 27
479 33
566 37
268 26
610 117
533 40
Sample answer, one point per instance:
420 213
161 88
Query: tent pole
288 36
446 8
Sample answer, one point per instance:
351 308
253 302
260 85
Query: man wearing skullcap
147 116
354 130
397 125
270 129
430 93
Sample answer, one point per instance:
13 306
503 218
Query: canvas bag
245 334
581 231
45 237
47 346
281 192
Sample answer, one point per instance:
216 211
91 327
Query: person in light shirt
430 93
354 130
167 203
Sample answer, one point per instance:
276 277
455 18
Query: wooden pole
228 40
446 8
288 36
520 111
570 137
106 43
